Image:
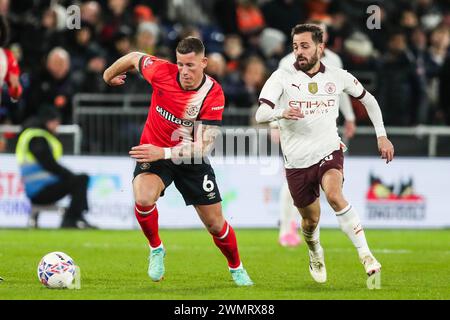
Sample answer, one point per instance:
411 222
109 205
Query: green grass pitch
114 265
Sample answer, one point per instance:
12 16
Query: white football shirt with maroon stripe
308 140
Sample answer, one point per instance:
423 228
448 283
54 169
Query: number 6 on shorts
208 185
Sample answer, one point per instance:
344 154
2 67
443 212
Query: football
56 270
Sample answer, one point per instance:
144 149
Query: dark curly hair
316 31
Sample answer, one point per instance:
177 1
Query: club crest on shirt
330 88
147 62
312 87
192 110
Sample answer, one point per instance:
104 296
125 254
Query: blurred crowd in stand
405 63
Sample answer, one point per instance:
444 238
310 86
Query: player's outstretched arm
354 88
345 106
385 147
201 147
265 113
115 74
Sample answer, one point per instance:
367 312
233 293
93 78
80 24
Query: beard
307 64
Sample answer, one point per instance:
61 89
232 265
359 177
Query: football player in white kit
289 218
305 101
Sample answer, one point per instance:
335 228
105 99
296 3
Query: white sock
241 266
350 223
160 246
312 239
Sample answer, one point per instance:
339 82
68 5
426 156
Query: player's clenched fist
293 113
386 149
117 81
147 153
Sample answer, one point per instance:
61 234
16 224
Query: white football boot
317 266
371 265
373 270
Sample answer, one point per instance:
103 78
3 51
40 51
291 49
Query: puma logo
297 86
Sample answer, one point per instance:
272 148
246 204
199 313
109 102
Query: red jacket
8 67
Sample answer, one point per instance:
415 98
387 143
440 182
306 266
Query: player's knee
334 198
145 201
214 228
146 198
310 224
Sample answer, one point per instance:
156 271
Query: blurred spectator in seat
190 31
418 42
4 7
339 30
188 12
272 44
408 21
53 86
233 50
147 37
216 67
443 114
250 19
225 13
82 46
9 79
92 77
242 89
121 43
284 14
91 13
434 61
446 17
418 45
45 36
398 82
115 17
429 13
142 13
358 53
9 68
379 36
317 7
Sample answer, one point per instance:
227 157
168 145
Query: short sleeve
352 86
272 90
212 109
149 65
